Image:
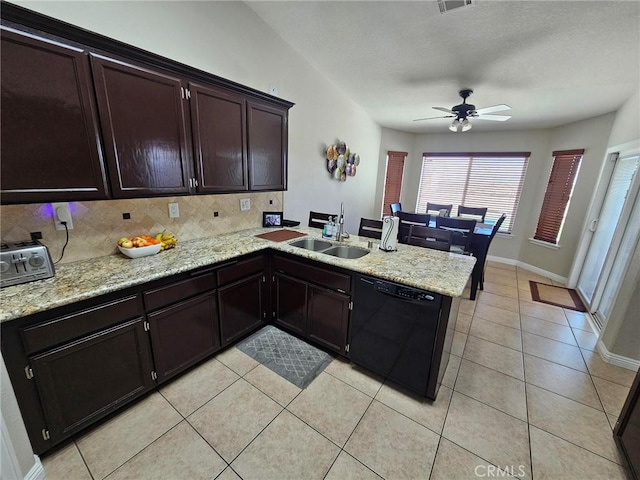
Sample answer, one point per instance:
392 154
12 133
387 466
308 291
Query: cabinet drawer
240 270
63 329
317 275
168 294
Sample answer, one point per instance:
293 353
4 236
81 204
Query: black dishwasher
393 331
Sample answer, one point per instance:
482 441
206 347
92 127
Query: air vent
449 5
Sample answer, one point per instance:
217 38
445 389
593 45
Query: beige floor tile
126 434
330 406
496 333
426 412
237 360
454 462
499 278
348 468
498 315
496 389
192 459
586 340
578 320
544 312
527 275
470 423
572 421
451 373
228 474
501 266
562 380
612 395
65 464
554 458
599 368
510 291
287 449
363 380
234 418
550 330
467 306
524 293
494 356
376 439
506 303
272 384
190 391
463 323
459 342
612 420
554 351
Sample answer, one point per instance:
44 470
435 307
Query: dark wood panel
200 282
627 430
319 275
84 381
218 122
184 334
328 318
291 303
69 327
240 270
268 144
241 308
143 121
50 143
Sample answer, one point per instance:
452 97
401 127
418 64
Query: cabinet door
328 318
184 334
267 135
50 138
291 303
218 122
143 122
85 380
241 308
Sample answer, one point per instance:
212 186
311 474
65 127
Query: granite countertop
423 268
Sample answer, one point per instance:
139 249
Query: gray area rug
288 356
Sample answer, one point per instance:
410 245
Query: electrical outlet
61 214
215 214
245 204
174 210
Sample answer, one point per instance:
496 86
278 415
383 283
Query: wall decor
341 161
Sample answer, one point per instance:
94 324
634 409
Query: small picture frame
272 219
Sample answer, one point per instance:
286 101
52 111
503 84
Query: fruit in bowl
141 246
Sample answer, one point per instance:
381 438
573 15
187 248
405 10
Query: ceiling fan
463 112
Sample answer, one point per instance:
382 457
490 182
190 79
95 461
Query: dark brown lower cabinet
290 303
184 334
85 380
241 308
627 431
328 317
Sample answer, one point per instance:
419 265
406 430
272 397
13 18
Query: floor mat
291 358
558 296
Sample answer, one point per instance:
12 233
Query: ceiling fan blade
442 109
493 109
433 118
496 118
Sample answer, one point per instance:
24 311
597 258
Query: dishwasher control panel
405 292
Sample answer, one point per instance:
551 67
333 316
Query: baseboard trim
37 471
615 359
530 268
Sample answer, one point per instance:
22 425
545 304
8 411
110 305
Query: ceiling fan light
454 125
466 125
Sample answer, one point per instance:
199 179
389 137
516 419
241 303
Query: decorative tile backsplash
98 225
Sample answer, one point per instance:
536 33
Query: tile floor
524 392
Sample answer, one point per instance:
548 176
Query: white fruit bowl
138 252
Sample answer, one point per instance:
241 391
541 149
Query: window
556 198
492 180
393 180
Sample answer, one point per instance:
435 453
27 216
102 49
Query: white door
609 229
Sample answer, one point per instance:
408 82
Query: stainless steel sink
311 244
346 251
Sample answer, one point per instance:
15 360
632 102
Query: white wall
626 127
230 40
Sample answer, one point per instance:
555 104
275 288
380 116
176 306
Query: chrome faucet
342 234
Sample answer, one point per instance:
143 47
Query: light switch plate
174 210
245 204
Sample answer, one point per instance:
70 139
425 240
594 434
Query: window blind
556 198
393 180
492 180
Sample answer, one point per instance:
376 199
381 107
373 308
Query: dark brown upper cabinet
218 123
267 134
50 143
143 122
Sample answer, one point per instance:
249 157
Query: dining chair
429 237
436 207
395 208
461 232
406 220
472 212
319 220
495 229
370 228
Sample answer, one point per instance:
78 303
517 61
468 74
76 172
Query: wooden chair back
319 220
428 237
461 232
406 220
436 207
370 228
473 212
